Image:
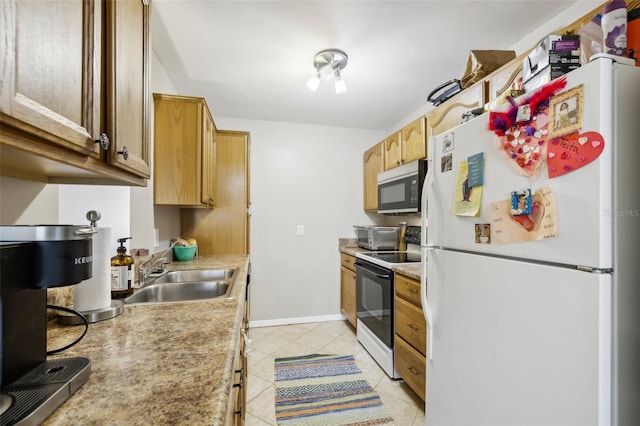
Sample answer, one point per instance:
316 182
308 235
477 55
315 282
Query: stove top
389 258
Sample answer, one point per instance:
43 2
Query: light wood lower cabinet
348 287
410 334
411 366
237 404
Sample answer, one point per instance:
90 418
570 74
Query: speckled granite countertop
158 363
350 246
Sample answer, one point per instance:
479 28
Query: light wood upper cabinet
502 79
51 70
413 140
62 88
392 151
226 228
127 83
406 145
373 164
448 115
208 194
184 152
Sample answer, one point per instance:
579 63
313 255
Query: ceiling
252 59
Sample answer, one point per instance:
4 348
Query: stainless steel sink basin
195 275
180 292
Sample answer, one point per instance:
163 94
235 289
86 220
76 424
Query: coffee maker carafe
32 259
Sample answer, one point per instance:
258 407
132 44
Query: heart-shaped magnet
525 146
573 151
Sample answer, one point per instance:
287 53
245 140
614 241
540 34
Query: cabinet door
448 115
410 324
408 288
373 164
392 151
413 139
127 83
411 365
51 71
348 294
348 261
178 135
503 78
224 229
208 161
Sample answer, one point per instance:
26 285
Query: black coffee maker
32 259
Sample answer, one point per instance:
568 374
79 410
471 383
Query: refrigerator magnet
446 163
565 112
483 233
521 202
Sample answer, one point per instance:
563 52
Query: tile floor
334 337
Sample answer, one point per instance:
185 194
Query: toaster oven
378 237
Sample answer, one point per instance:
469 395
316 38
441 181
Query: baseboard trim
299 320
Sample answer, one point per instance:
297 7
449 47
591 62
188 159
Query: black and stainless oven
375 299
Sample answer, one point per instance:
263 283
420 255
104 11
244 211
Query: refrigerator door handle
426 187
428 314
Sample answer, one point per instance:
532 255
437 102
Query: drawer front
348 261
410 324
408 289
411 365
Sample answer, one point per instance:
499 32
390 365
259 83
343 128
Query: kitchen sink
181 292
195 275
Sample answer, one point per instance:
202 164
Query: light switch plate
300 230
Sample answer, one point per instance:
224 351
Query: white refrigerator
543 331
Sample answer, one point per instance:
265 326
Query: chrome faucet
160 258
145 270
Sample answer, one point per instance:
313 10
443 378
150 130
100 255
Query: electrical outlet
300 230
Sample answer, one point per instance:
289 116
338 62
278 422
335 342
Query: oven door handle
369 271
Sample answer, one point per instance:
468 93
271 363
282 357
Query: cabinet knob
103 140
124 152
398 162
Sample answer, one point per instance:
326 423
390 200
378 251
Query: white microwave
400 189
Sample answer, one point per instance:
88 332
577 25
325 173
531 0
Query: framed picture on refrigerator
565 112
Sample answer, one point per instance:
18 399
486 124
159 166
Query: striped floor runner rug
327 390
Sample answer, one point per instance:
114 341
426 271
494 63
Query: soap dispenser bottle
122 268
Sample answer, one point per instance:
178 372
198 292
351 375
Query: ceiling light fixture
329 63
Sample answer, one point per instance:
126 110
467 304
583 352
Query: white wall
165 218
23 202
301 175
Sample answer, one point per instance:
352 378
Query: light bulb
340 86
313 83
326 72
